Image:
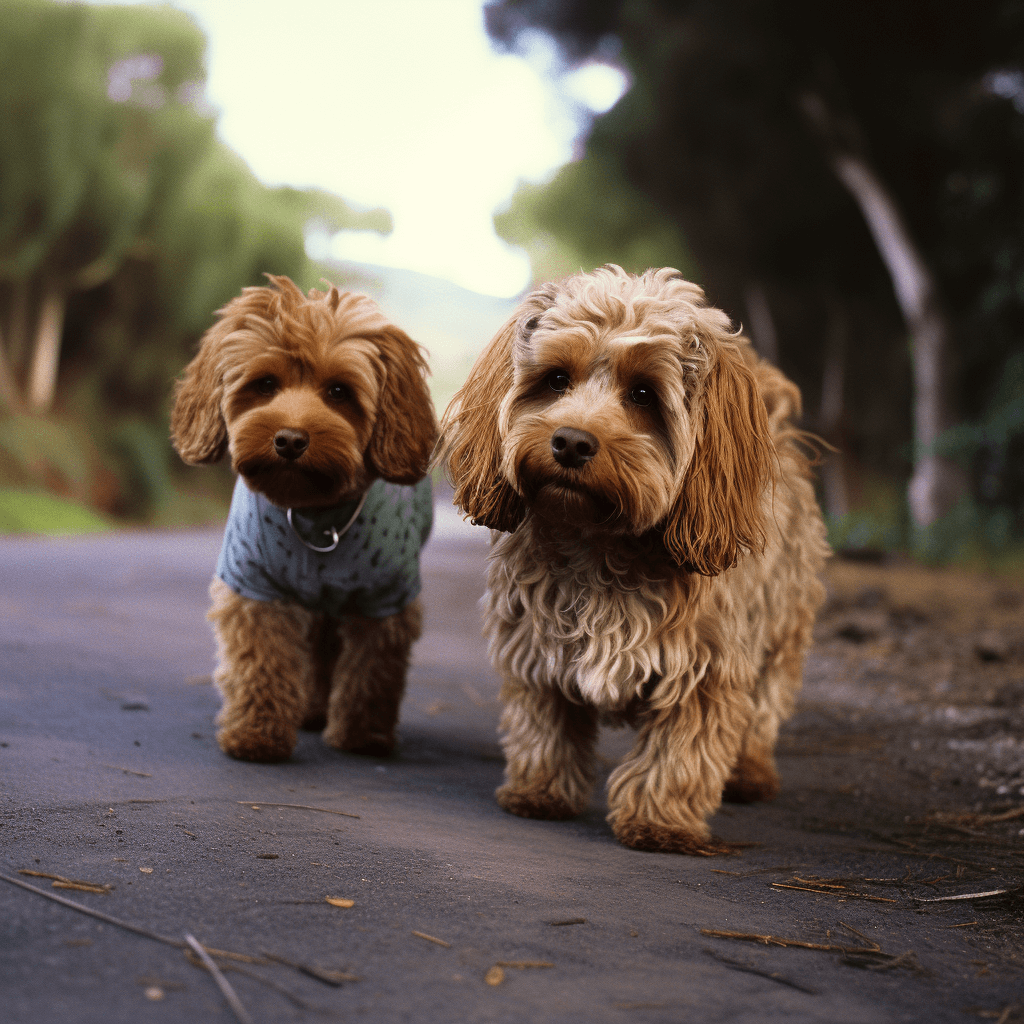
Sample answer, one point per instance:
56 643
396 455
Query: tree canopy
124 221
737 114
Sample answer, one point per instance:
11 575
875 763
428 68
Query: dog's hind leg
549 752
263 673
754 776
369 681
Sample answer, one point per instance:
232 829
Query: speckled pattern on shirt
374 571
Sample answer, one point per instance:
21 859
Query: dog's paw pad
641 835
250 746
367 744
535 803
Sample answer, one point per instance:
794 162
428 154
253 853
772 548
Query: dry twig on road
776 940
739 965
257 804
334 978
964 896
60 882
167 940
834 890
222 983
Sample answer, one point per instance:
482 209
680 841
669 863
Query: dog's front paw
247 744
646 835
752 779
539 802
351 741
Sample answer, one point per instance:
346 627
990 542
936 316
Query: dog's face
312 396
596 425
620 404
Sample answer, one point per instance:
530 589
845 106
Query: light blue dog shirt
373 571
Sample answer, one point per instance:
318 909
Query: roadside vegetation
854 199
124 223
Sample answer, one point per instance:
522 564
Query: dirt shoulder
910 734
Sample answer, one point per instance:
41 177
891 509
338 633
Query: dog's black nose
290 444
573 448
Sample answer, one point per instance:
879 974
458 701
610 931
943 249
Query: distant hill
452 323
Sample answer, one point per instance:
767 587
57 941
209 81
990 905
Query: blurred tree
588 215
842 171
124 223
112 182
89 107
128 338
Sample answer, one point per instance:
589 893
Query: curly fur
669 581
331 367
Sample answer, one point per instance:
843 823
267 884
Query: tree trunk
937 483
762 325
8 389
42 378
833 384
17 324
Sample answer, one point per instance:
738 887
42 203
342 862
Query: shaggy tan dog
323 407
658 555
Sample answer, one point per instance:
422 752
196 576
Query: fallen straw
334 978
222 983
739 965
775 940
257 804
962 896
60 882
145 932
298 1001
99 915
834 890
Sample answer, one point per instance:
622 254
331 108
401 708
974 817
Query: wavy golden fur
657 551
330 373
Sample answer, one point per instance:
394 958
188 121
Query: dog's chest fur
588 625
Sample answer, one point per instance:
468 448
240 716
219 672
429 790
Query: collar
322 523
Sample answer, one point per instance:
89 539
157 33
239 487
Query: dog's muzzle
572 448
290 444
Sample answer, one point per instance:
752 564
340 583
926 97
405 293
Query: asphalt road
109 773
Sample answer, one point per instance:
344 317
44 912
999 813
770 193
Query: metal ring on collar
334 533
335 537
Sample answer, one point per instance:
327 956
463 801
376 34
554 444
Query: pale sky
401 104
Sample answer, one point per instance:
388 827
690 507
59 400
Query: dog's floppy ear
198 430
470 441
720 508
405 429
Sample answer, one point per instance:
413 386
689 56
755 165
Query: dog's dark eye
339 393
265 385
558 380
642 395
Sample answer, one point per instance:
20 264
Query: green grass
42 513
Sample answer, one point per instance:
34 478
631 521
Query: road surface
110 774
